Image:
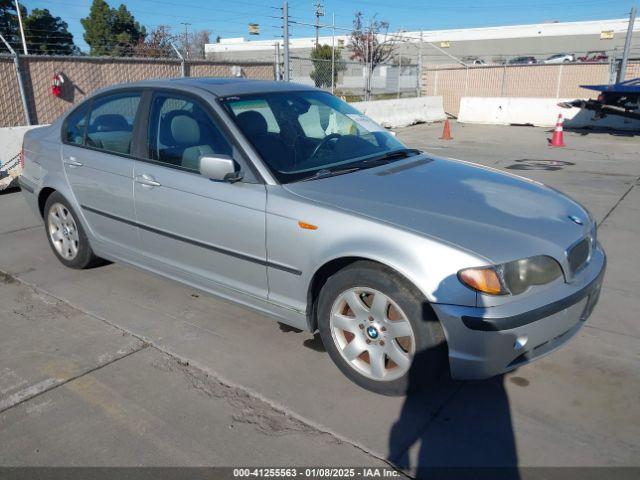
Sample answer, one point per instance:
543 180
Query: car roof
221 87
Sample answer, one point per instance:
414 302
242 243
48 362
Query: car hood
498 216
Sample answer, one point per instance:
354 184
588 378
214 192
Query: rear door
97 159
206 232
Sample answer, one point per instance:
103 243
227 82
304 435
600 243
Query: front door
209 233
97 162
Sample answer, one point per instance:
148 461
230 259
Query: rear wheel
380 330
66 235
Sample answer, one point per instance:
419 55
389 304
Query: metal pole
419 66
285 34
370 67
186 37
183 65
559 83
23 95
333 53
627 46
24 42
399 72
503 87
277 62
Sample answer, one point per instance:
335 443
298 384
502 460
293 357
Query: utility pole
333 53
285 34
186 38
419 66
627 46
24 42
319 13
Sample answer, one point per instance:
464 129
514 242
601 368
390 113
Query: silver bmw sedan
287 200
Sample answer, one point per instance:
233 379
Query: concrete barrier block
10 145
403 112
539 112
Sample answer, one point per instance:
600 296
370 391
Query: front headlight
512 278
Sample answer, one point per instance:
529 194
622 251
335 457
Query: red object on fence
558 136
446 131
56 84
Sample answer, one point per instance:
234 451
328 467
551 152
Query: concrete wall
404 111
540 112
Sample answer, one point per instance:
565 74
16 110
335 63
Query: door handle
147 181
72 162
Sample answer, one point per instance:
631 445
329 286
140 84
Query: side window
181 131
75 125
110 126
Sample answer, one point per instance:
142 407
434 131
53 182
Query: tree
196 46
321 58
192 46
110 31
9 27
368 47
156 44
47 34
128 32
365 43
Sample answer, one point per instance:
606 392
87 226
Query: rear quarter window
75 125
110 126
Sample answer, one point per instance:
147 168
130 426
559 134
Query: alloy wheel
372 333
63 231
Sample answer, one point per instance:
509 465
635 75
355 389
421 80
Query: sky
231 18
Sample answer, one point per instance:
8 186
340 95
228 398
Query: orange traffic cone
558 137
446 131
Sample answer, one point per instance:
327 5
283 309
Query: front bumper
488 341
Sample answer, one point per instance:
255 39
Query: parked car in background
595 56
561 58
473 61
285 199
522 61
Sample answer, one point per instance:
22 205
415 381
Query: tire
65 234
381 325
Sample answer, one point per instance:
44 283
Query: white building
489 43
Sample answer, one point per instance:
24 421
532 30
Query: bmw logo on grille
575 219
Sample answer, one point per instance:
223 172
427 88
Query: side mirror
220 168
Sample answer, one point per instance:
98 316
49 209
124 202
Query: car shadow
470 435
314 343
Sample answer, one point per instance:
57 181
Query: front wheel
380 330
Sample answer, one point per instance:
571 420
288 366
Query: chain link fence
349 79
83 75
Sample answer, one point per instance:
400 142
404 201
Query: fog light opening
520 342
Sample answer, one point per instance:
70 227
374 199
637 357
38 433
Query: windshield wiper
328 172
368 163
393 155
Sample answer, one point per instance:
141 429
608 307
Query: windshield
301 133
